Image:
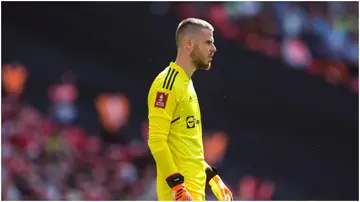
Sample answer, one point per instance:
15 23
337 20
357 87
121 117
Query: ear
189 43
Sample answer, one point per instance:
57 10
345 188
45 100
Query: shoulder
168 81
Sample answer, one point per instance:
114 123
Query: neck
186 64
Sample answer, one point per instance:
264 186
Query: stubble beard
197 61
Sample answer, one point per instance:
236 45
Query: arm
160 115
162 105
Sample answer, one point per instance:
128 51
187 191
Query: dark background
284 125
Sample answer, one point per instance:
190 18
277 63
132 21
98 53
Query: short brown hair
189 25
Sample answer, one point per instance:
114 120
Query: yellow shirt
175 129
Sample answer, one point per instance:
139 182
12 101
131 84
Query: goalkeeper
175 128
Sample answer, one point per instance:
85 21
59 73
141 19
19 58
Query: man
175 130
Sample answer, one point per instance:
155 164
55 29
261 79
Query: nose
213 49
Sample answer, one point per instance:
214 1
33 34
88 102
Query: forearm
162 155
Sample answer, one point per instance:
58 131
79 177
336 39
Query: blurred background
279 106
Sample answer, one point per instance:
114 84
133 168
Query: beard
198 61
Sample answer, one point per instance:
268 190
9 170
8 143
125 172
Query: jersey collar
180 69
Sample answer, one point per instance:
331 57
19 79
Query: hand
220 190
176 183
218 187
180 193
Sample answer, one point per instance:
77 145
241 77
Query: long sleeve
161 106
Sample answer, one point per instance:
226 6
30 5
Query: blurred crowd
48 157
45 160
320 38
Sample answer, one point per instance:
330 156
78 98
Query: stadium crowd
295 32
43 160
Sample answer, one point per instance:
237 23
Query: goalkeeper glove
176 183
220 190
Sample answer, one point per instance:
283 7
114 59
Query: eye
209 42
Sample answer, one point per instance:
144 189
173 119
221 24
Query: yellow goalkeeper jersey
175 130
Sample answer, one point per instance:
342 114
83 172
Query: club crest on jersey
161 99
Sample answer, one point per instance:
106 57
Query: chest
189 111
190 103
